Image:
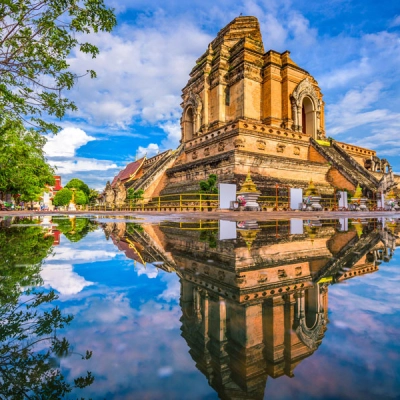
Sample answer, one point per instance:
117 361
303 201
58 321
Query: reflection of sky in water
359 358
130 317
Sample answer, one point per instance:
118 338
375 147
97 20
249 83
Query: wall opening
312 306
308 118
188 124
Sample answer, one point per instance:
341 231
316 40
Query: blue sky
352 48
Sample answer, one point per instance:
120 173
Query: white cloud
63 279
140 71
354 110
82 165
342 76
395 22
66 142
173 131
151 150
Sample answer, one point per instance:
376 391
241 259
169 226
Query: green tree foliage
93 195
23 167
81 198
78 185
134 196
62 197
36 38
210 185
28 333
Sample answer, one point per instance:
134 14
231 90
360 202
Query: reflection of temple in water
256 306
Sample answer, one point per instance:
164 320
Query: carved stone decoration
310 336
193 100
207 151
305 89
194 155
262 277
239 143
261 145
120 193
296 150
109 194
282 274
280 147
221 275
240 279
221 146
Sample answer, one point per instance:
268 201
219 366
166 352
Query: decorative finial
311 190
358 193
391 195
248 185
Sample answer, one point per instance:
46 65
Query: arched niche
306 110
308 120
192 116
188 124
309 316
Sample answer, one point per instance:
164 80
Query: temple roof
131 249
126 173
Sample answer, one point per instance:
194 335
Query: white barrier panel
227 230
227 193
381 201
296 197
343 203
296 226
344 224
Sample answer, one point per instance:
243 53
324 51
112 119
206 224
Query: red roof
131 251
57 186
126 173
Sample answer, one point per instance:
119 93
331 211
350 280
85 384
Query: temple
244 110
256 306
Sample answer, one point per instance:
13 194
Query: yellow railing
173 202
209 202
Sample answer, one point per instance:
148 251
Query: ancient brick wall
338 180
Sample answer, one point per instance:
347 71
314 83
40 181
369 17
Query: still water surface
208 310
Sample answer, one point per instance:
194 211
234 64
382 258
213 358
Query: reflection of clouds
359 356
149 270
81 256
173 290
136 344
63 279
109 310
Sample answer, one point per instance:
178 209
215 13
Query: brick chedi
245 109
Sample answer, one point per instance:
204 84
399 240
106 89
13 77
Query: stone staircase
156 170
347 166
152 253
348 256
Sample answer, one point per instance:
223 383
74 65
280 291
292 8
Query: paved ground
155 216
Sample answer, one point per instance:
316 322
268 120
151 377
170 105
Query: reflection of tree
75 229
133 228
21 252
29 347
209 236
